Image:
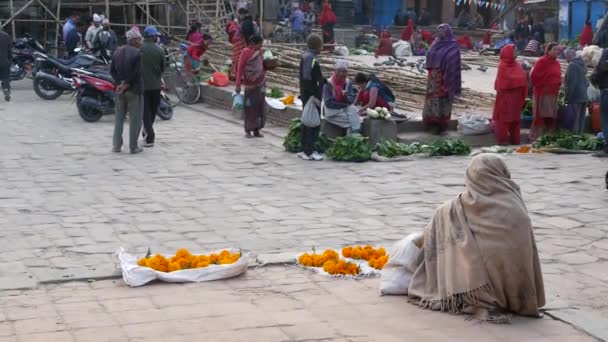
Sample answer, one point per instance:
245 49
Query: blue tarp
384 13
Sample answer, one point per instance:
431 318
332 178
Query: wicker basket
271 64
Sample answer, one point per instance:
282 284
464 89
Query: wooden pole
57 26
15 14
168 18
13 22
262 18
108 9
147 12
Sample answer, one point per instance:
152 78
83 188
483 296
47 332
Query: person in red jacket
408 31
546 79
511 91
587 34
465 42
327 21
386 45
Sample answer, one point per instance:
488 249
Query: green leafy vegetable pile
527 111
293 140
561 98
570 141
351 148
276 93
441 147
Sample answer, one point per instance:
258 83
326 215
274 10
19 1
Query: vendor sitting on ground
339 97
479 253
386 45
534 47
373 93
499 45
465 43
192 58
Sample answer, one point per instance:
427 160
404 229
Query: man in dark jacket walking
600 79
5 64
127 73
311 85
153 63
576 89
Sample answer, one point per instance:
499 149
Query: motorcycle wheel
46 91
165 110
88 114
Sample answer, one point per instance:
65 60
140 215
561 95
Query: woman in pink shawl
252 75
444 80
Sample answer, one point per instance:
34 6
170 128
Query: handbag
310 114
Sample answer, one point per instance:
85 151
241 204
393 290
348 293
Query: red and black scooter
95 96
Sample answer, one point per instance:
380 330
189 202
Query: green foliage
441 147
293 140
351 148
570 141
527 111
276 93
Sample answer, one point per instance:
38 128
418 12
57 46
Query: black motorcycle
53 76
23 57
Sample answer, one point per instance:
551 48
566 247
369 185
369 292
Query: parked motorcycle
23 57
53 76
96 95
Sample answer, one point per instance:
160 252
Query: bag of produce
310 114
238 102
394 281
474 124
404 258
402 49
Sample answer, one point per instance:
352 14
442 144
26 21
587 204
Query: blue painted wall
573 14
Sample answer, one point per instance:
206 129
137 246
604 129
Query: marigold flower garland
330 261
183 260
375 258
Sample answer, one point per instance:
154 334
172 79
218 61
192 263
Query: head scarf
510 73
327 15
133 33
339 84
408 30
479 248
444 55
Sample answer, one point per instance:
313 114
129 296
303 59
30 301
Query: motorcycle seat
73 62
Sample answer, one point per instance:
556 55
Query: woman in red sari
408 31
236 39
327 20
252 75
511 90
546 79
587 34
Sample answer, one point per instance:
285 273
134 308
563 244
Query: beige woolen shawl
479 249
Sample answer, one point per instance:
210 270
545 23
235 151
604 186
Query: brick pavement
267 304
67 203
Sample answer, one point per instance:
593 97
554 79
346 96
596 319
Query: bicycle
184 85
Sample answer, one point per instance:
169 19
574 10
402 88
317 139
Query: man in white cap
126 70
93 30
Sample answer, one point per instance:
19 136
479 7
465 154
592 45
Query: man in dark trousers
311 85
74 39
600 79
5 64
127 73
153 63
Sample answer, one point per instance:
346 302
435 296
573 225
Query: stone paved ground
67 203
267 305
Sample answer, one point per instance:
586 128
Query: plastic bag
310 114
219 79
407 252
395 280
474 124
593 94
402 49
341 51
135 275
268 55
238 103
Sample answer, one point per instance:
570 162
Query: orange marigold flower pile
375 258
318 260
183 260
342 267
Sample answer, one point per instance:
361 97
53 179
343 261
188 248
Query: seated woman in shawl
480 257
373 93
386 45
533 48
587 34
444 80
339 98
511 91
546 77
252 75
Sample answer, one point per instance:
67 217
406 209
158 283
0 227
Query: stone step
473 140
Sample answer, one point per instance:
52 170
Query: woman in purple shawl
444 82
